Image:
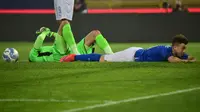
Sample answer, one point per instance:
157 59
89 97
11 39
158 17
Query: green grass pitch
60 87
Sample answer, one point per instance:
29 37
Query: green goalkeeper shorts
81 47
44 55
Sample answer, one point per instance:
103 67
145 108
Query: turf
89 83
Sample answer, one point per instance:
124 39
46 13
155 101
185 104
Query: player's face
179 49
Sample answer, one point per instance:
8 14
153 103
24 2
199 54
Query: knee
63 22
95 33
56 35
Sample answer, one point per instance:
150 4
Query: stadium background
115 27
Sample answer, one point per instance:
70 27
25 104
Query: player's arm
173 59
191 59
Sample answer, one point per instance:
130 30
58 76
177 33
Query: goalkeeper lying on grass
65 45
173 53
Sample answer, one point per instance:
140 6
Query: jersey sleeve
185 56
166 52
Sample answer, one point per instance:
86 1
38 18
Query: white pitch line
132 100
53 100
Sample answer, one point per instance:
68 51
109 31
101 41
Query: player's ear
175 45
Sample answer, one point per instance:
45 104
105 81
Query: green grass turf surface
91 83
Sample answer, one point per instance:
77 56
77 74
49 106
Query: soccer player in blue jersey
160 53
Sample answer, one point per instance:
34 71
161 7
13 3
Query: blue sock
88 57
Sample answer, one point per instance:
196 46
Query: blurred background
94 4
119 20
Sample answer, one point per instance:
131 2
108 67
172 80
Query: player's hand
185 61
50 34
194 60
43 29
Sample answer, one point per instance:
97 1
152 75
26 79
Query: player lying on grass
60 48
173 53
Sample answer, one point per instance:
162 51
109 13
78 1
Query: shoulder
163 47
166 51
166 48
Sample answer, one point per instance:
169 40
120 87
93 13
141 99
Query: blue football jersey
155 54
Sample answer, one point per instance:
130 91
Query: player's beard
179 55
175 54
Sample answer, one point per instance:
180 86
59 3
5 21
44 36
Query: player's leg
126 55
84 49
83 57
66 32
59 46
64 9
59 43
33 54
94 37
64 13
69 38
42 33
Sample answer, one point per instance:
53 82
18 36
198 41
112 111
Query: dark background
26 4
115 27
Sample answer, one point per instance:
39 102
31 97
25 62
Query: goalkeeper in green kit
65 45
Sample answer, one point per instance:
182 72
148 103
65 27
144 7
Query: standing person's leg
64 13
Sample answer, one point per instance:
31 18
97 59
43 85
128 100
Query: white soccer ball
10 55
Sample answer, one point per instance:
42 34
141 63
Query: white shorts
64 9
126 55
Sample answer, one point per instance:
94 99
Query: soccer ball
10 55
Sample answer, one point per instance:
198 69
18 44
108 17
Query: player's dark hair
178 39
